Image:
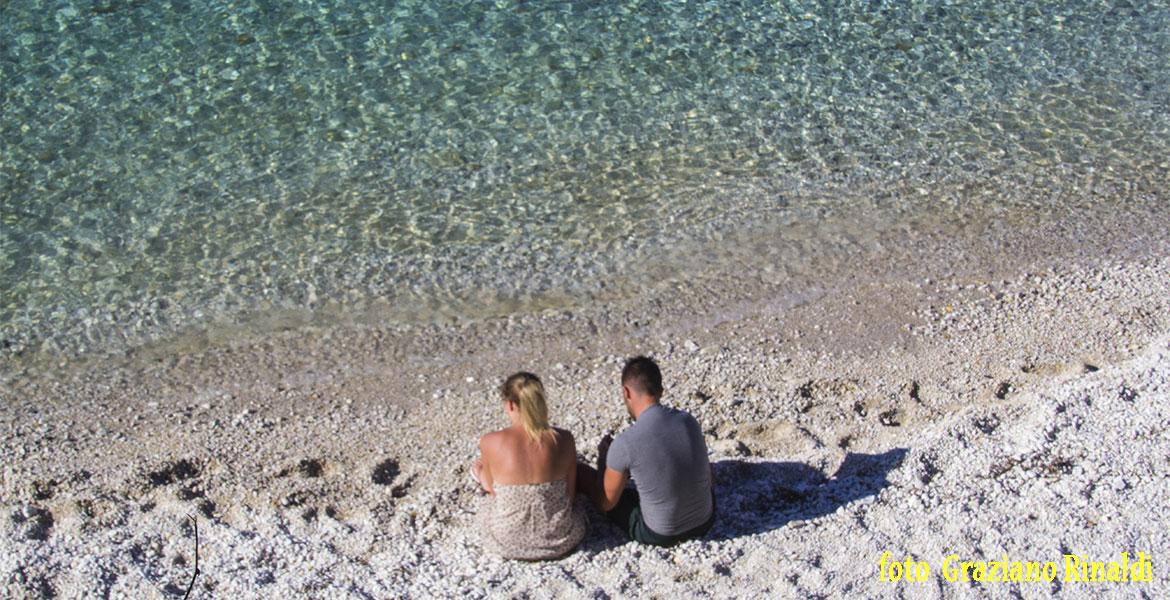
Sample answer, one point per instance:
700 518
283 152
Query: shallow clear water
169 165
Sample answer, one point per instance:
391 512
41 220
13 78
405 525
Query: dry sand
1010 400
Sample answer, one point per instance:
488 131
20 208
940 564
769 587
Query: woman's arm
570 461
481 470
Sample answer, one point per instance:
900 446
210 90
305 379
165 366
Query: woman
529 471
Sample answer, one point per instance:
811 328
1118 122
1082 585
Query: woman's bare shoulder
493 440
565 441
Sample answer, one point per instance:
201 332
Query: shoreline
729 259
942 408
766 269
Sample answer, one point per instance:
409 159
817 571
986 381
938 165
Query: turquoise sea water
169 165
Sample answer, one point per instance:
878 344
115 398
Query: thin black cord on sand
195 524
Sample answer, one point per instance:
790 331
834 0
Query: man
664 453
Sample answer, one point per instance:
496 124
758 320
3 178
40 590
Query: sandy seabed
1008 414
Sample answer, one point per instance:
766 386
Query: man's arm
602 485
603 451
611 490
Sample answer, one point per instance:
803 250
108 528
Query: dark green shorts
628 515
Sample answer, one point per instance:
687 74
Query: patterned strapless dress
531 522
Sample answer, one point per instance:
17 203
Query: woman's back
530 472
513 458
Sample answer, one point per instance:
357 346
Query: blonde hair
525 391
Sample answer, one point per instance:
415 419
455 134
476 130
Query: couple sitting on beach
531 472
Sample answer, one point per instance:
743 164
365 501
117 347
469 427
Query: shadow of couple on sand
756 497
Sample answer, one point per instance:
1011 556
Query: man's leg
627 513
639 531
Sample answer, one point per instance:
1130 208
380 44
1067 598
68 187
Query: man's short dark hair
643 375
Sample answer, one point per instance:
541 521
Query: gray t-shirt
664 453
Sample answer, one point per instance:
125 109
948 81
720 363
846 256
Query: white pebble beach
993 416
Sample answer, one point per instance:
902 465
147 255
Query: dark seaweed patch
987 424
177 471
311 467
929 470
385 472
